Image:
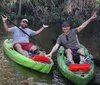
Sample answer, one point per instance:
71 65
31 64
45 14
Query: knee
33 48
81 50
17 46
68 51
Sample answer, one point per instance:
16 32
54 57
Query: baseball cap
65 24
24 20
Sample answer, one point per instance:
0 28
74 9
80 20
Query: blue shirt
19 36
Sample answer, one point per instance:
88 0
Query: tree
77 7
20 6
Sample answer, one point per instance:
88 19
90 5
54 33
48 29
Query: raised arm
40 30
81 27
4 19
53 50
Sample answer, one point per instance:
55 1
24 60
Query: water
14 74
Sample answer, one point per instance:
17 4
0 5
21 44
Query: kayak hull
25 61
79 78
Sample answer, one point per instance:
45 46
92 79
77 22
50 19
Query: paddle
96 61
21 30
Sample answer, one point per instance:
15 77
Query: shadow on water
28 76
35 76
14 74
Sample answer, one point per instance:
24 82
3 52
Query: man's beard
24 27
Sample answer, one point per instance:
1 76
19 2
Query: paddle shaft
96 61
85 56
17 26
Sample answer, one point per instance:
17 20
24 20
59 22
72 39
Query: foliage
98 4
45 11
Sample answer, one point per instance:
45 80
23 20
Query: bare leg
81 51
33 48
20 50
69 54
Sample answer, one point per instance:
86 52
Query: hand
49 55
45 26
94 15
4 18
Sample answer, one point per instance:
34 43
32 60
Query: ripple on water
97 76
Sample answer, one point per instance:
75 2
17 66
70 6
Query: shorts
75 55
74 51
25 46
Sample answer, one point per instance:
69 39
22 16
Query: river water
14 74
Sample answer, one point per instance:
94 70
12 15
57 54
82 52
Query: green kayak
79 78
25 61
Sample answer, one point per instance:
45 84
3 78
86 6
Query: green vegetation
49 11
98 4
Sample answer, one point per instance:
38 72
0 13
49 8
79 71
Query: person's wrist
4 21
50 54
92 17
43 27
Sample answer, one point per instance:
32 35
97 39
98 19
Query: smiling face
66 29
24 24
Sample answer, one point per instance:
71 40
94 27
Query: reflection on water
30 75
14 74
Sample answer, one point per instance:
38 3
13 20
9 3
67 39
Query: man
20 39
68 39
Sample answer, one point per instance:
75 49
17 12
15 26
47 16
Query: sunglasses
66 37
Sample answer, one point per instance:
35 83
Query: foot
86 60
68 62
26 54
